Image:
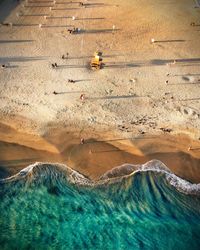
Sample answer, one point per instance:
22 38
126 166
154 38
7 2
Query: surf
38 171
132 206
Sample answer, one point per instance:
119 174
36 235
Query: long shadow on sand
33 15
121 65
16 41
188 74
154 62
22 59
185 60
67 92
193 149
84 80
62 3
115 97
55 26
38 6
38 2
120 139
90 18
71 67
12 66
96 31
58 17
170 41
96 5
66 8
25 24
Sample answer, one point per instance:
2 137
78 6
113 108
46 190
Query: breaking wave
51 206
47 172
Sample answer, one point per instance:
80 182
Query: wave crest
42 172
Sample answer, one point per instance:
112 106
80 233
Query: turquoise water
45 207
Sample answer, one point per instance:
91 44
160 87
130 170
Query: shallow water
41 208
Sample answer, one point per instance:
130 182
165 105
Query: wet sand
95 157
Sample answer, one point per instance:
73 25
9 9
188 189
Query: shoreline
98 154
61 172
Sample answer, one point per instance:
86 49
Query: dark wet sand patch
95 157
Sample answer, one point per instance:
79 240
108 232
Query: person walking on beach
82 97
82 141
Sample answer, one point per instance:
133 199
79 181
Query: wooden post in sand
113 29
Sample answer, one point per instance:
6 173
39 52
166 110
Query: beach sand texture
128 97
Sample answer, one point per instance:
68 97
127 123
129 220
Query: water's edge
41 170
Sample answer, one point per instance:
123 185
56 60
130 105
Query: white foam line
76 178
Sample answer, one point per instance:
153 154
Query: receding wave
42 172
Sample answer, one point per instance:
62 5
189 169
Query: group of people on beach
74 30
65 57
55 65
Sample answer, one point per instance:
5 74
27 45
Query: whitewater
51 206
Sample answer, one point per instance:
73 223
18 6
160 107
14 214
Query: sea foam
43 171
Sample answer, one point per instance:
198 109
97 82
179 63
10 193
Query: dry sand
127 97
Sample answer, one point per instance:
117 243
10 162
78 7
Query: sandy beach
143 104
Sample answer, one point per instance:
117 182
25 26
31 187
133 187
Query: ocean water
53 207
